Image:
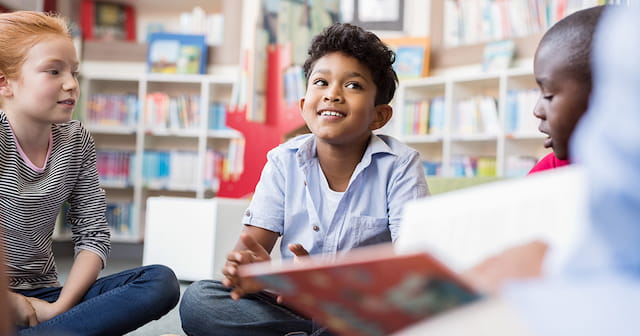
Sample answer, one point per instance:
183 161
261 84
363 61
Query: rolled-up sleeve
87 206
267 205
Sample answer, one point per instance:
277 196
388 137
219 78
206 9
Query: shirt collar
305 145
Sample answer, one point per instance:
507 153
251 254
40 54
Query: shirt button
247 212
316 228
305 182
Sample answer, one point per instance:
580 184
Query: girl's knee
165 285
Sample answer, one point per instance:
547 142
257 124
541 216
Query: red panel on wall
281 119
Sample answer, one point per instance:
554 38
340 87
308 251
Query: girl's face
563 99
46 90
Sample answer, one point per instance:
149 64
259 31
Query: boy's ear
5 88
383 113
301 104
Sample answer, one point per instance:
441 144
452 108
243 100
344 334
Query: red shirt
548 162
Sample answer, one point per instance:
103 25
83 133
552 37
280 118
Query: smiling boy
336 189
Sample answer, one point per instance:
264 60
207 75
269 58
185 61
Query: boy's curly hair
366 47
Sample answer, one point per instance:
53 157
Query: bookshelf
148 148
472 124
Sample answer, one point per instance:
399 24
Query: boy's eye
75 74
353 85
320 82
547 97
53 72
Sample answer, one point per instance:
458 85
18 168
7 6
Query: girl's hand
25 314
254 253
44 310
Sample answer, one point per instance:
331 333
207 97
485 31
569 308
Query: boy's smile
339 105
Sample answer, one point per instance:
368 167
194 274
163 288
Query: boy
562 68
339 188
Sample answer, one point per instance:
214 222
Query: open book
376 291
368 291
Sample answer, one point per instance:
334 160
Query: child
5 324
336 189
45 160
562 68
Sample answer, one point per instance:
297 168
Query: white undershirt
330 198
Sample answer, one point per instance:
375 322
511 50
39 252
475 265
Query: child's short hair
21 30
574 34
366 47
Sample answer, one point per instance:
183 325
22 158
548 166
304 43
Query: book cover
107 21
367 291
177 53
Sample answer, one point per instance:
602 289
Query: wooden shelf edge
127 51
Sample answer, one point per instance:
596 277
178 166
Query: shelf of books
473 125
157 135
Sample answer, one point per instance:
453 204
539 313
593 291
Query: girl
47 159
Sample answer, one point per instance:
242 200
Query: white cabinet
192 236
155 135
465 125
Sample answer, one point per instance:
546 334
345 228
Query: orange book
367 291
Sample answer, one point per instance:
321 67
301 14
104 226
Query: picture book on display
368 291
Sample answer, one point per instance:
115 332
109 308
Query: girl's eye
549 97
354 86
320 82
53 72
75 74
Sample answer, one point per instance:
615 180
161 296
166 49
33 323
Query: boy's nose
538 111
332 98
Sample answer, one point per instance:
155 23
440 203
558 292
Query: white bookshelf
501 143
138 138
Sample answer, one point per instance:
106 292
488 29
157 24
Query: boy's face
339 105
563 99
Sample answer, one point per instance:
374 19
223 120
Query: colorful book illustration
177 53
368 291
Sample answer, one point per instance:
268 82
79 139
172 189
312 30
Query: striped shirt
31 197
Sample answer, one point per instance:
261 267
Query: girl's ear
5 88
383 113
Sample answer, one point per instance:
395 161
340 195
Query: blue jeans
113 305
207 309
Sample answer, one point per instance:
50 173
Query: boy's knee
194 294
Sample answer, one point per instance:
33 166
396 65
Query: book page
464 227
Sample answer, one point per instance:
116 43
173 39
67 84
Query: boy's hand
254 253
25 314
298 251
520 262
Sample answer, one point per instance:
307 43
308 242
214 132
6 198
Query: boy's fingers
253 246
298 250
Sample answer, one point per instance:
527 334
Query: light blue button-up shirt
288 199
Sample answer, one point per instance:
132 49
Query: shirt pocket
371 230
